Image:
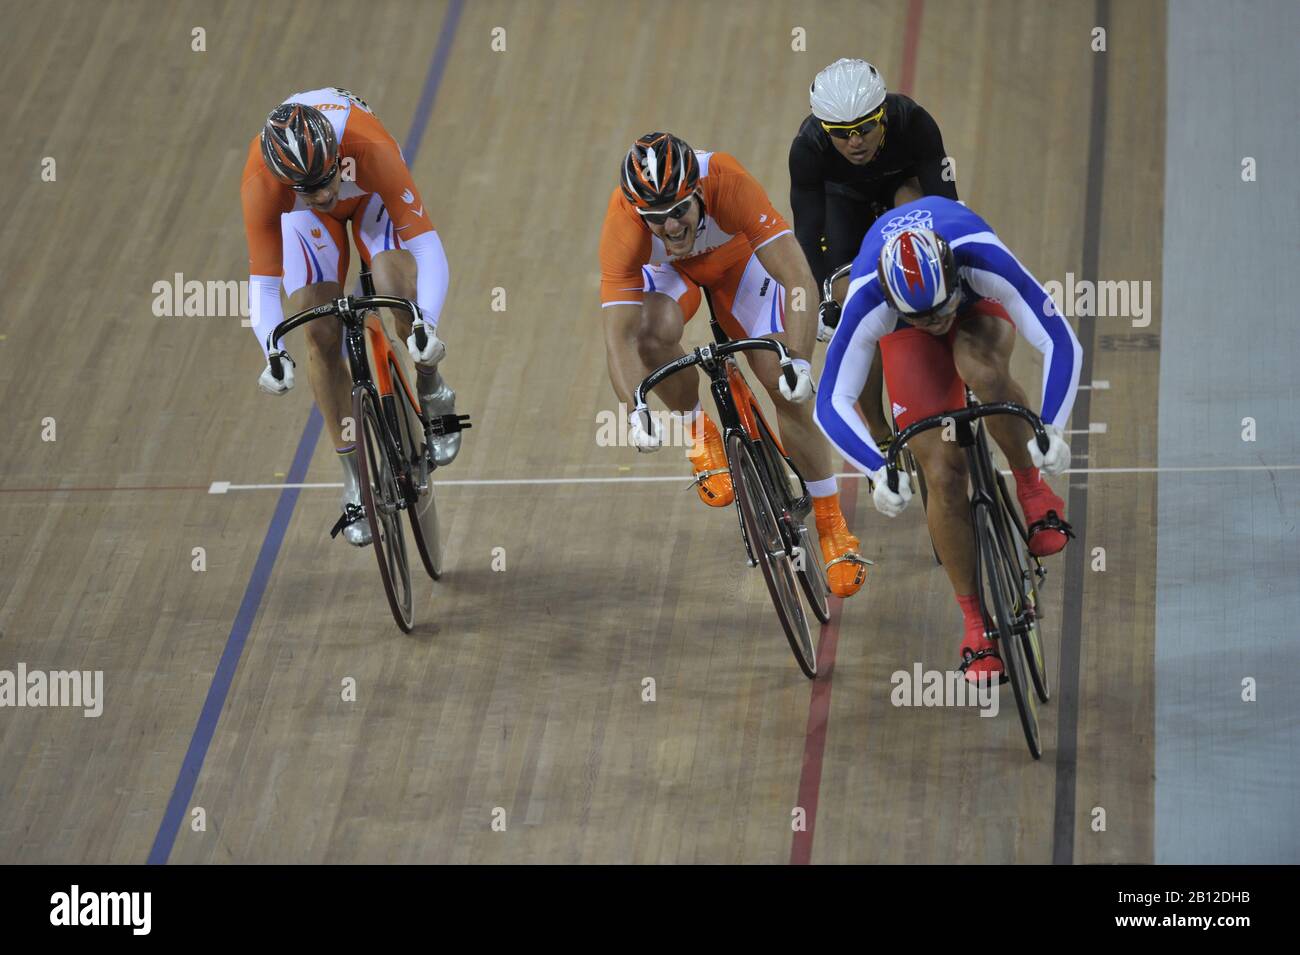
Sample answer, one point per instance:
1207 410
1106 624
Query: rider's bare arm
625 366
785 262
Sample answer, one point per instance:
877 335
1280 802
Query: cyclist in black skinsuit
861 152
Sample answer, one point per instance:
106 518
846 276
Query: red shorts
920 374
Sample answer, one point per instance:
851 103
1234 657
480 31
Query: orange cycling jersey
378 166
738 219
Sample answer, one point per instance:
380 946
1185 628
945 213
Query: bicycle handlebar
965 416
834 277
347 305
709 353
828 312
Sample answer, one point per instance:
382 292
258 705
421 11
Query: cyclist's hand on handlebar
277 386
1057 458
886 501
803 383
828 318
644 441
434 350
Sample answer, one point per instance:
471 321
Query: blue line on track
206 726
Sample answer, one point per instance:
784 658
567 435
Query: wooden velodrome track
521 689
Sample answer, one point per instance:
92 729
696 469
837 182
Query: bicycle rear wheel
1003 604
808 568
769 549
421 508
381 498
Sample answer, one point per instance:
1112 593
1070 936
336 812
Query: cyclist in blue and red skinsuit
944 298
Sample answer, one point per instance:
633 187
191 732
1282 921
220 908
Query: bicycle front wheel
1004 605
763 530
382 499
417 487
808 564
1030 633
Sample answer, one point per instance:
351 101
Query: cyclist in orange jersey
321 161
685 220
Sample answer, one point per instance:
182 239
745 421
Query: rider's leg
330 382
872 402
982 345
394 272
315 263
922 379
846 571
664 313
751 305
659 341
947 509
981 348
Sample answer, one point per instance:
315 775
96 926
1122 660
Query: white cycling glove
434 349
277 386
1057 458
888 502
803 384
644 441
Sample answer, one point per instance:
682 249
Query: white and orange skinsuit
738 220
292 245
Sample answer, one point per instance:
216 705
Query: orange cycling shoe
846 570
709 460
1044 512
979 655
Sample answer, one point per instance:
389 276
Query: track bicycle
394 459
772 499
1007 574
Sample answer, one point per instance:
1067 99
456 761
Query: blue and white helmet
917 271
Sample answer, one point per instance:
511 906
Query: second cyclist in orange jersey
683 220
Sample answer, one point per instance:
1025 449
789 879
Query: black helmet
299 146
659 169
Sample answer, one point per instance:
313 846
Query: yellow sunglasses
859 128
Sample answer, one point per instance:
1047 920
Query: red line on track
819 710
911 39
819 707
131 487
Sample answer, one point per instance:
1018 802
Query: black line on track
1067 730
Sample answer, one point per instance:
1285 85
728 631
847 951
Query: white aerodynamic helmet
846 90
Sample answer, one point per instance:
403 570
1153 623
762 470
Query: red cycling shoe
1044 511
980 660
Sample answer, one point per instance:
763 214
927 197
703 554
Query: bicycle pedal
703 476
851 559
351 514
440 426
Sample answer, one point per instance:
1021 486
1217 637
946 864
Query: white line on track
224 487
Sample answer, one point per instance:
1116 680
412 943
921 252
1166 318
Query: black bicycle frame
351 311
978 462
713 359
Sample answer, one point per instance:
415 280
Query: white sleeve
265 311
432 275
865 320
